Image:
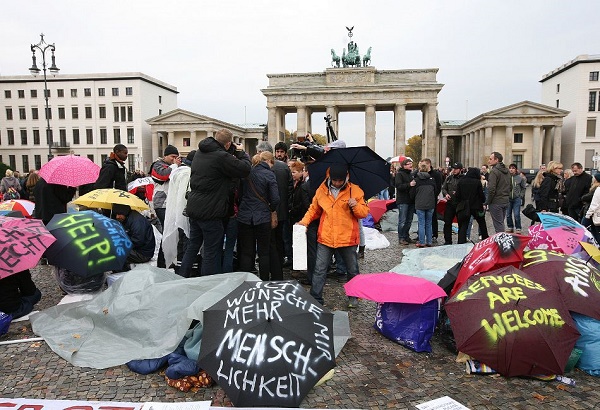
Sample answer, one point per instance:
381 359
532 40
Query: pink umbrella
20 205
70 170
377 207
559 233
22 243
393 287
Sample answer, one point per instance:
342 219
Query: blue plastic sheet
411 325
588 343
5 320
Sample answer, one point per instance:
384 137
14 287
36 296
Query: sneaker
510 230
428 245
403 242
517 231
352 302
420 245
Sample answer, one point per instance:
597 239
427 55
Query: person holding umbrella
339 204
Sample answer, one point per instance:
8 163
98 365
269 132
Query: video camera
301 154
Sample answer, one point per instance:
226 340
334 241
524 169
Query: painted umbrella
70 170
22 244
23 206
512 323
559 233
107 197
87 243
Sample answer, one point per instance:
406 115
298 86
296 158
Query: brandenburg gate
356 89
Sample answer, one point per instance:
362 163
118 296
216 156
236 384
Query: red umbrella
498 250
70 170
23 206
577 281
393 287
511 322
377 207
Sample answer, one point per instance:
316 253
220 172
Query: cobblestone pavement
372 371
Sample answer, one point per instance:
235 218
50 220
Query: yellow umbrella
106 198
592 250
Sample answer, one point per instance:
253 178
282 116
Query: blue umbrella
367 169
87 243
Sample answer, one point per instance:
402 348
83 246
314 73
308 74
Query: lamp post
42 47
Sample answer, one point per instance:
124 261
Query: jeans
425 217
498 214
405 218
231 234
324 253
209 234
253 239
514 208
384 194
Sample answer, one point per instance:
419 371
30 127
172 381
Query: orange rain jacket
338 226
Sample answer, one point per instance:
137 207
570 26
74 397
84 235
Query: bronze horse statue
367 58
335 59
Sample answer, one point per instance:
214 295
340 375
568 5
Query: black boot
361 252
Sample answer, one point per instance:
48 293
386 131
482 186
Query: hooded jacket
498 185
425 191
112 175
469 188
338 225
211 182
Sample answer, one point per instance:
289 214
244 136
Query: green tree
414 147
320 139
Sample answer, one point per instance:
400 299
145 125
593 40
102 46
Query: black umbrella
367 169
267 343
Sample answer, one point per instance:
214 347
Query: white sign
443 403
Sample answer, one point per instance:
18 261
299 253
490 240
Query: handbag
274 220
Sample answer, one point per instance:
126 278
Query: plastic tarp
588 343
375 239
389 221
431 263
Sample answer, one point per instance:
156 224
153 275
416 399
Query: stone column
547 145
556 145
473 135
477 147
463 153
333 112
430 129
468 148
170 138
193 141
508 142
155 148
301 121
399 129
537 149
488 141
444 148
370 119
308 121
273 126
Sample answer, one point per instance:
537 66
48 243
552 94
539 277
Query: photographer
306 149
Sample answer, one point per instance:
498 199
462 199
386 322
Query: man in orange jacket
339 205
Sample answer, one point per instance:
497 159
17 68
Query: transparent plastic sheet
73 283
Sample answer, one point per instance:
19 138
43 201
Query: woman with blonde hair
10 186
259 197
551 188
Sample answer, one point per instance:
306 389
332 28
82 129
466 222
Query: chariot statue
352 57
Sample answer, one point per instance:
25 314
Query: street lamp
42 46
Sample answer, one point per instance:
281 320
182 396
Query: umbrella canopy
377 207
87 243
18 205
577 281
397 158
367 169
70 170
147 183
393 287
592 252
498 250
22 243
275 335
512 323
560 233
106 198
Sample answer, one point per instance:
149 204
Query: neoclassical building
526 133
184 130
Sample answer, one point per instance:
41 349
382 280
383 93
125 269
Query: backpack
11 193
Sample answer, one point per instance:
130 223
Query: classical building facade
526 133
358 89
575 86
89 114
184 130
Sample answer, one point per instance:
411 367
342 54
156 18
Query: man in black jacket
406 205
113 173
576 186
210 201
437 178
449 193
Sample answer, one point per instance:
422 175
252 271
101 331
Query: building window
128 91
34 113
33 93
129 113
116 114
89 136
76 136
186 142
49 113
74 92
591 128
75 113
131 160
61 113
160 99
88 112
115 92
91 157
23 137
103 137
103 158
87 92
21 93
47 93
123 113
130 137
10 136
518 160
159 112
22 113
518 138
592 101
62 137
12 159
557 103
593 75
36 137
557 88
101 92
117 135
9 114
38 161
7 94
60 92
102 111
25 159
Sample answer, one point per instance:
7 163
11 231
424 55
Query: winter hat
457 165
405 161
597 176
170 150
120 209
337 144
338 171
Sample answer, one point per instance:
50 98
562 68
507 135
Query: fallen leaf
37 344
105 311
562 387
77 336
539 397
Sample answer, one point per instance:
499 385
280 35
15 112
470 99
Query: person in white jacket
594 207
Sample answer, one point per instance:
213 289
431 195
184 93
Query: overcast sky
217 53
